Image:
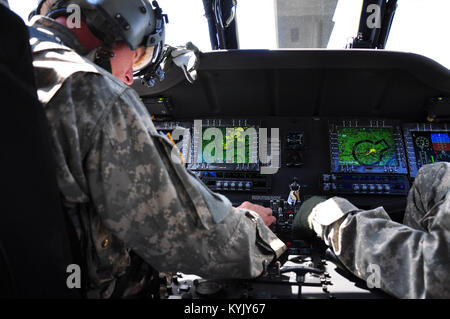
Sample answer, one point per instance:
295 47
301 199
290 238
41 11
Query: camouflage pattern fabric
120 186
413 257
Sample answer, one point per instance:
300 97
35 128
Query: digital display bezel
370 150
336 166
424 128
197 165
247 154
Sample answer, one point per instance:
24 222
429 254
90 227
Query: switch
291 218
274 204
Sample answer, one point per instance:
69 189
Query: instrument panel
321 129
281 162
258 159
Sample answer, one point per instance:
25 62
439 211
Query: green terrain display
366 146
239 136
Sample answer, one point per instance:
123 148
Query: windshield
423 27
419 26
297 23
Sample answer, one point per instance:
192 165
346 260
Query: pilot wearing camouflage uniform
130 204
409 260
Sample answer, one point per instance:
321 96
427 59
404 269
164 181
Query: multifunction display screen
227 145
361 146
431 147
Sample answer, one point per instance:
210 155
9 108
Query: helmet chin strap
103 55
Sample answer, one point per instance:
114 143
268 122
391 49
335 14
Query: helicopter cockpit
305 98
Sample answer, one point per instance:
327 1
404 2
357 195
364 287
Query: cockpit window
187 22
422 26
273 24
419 26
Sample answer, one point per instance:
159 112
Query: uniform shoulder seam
107 110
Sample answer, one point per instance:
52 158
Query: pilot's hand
301 228
264 212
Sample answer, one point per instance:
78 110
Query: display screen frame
409 130
197 163
247 143
373 164
369 150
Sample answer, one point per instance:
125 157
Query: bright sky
346 19
420 26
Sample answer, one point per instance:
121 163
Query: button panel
365 184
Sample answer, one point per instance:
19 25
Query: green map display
238 157
366 146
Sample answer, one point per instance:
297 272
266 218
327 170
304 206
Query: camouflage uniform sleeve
161 210
412 262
